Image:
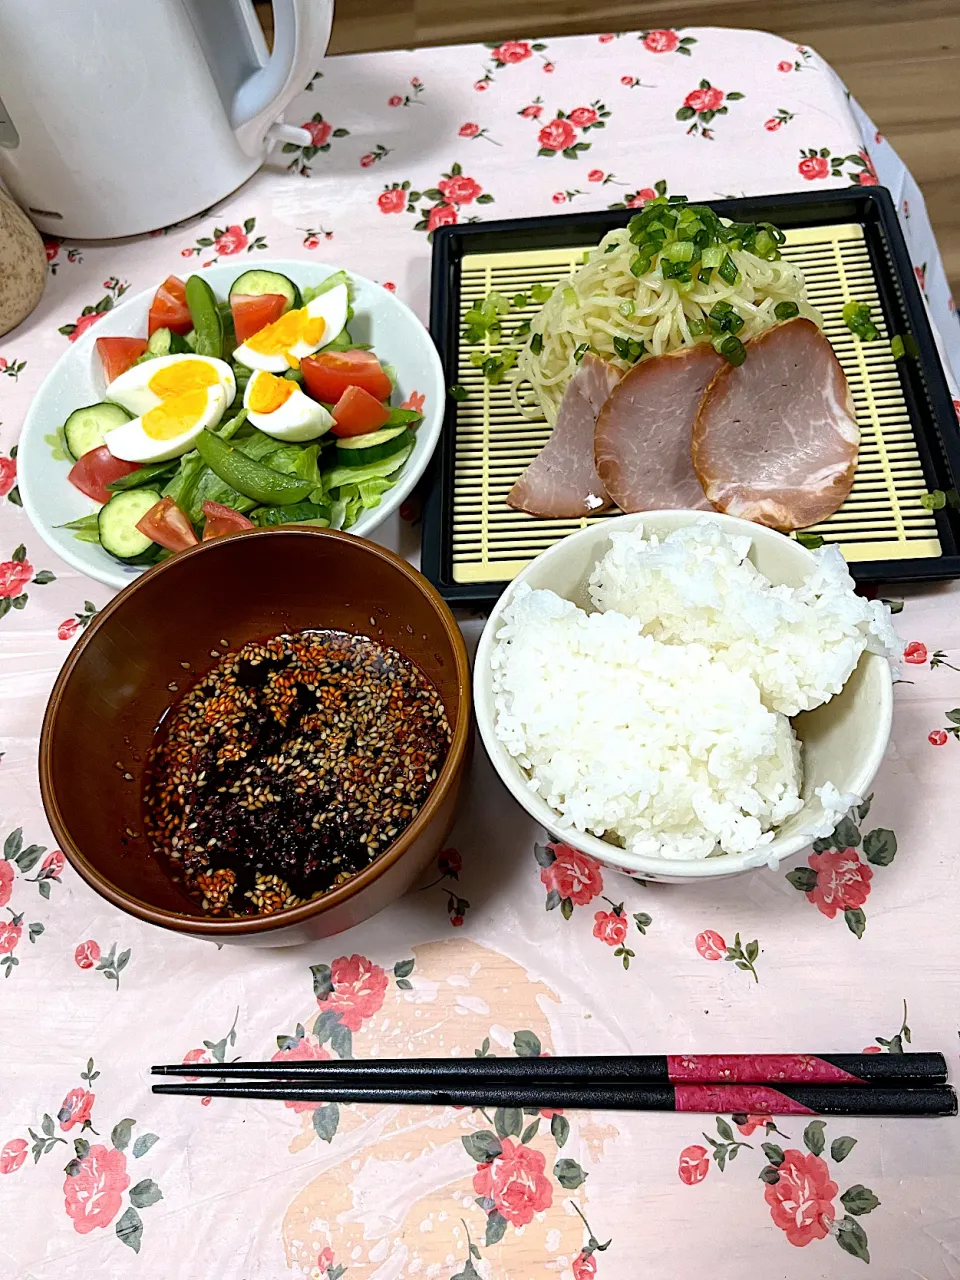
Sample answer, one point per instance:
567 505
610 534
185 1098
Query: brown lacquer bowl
113 689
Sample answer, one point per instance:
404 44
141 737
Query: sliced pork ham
776 438
642 440
562 480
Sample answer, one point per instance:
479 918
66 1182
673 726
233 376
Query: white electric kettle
119 116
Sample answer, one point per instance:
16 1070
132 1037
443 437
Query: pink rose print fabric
94 1193
515 1182
512 943
357 990
801 1200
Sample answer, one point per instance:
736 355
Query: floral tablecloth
512 946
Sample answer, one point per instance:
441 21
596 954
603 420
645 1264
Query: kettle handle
301 29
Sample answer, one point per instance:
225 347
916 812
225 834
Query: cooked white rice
660 722
800 644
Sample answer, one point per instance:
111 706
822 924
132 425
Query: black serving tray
922 385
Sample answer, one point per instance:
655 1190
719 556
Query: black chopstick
807 1069
824 1100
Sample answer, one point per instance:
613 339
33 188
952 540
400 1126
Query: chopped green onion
628 348
612 248
679 251
541 292
712 256
494 367
627 308
536 343
732 350
697 327
570 296
483 321
934 501
810 540
694 228
640 265
458 393
678 271
726 319
727 270
518 300
477 357
786 310
581 351
522 329
856 316
904 345
765 246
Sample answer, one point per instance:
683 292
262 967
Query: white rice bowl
660 722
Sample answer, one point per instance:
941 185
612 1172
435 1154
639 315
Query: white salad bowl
843 741
381 319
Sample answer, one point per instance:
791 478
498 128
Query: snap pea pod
206 317
227 430
252 479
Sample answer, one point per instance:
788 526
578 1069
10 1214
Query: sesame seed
290 766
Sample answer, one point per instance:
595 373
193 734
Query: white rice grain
661 721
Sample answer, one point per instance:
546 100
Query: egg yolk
175 415
185 375
268 393
278 338
184 391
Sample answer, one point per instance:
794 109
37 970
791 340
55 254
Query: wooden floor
899 58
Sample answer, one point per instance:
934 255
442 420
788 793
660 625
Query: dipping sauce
290 767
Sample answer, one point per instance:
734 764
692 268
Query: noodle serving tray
849 246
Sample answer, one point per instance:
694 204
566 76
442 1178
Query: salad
248 412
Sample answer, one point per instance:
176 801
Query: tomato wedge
253 312
221 520
118 354
328 375
95 470
168 526
169 309
357 413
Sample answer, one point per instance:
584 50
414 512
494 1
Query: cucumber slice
117 524
360 451
85 428
257 283
164 342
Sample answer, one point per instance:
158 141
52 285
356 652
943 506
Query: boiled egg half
175 398
278 407
283 344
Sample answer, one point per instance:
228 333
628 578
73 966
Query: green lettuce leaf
371 491
338 277
352 476
296 513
